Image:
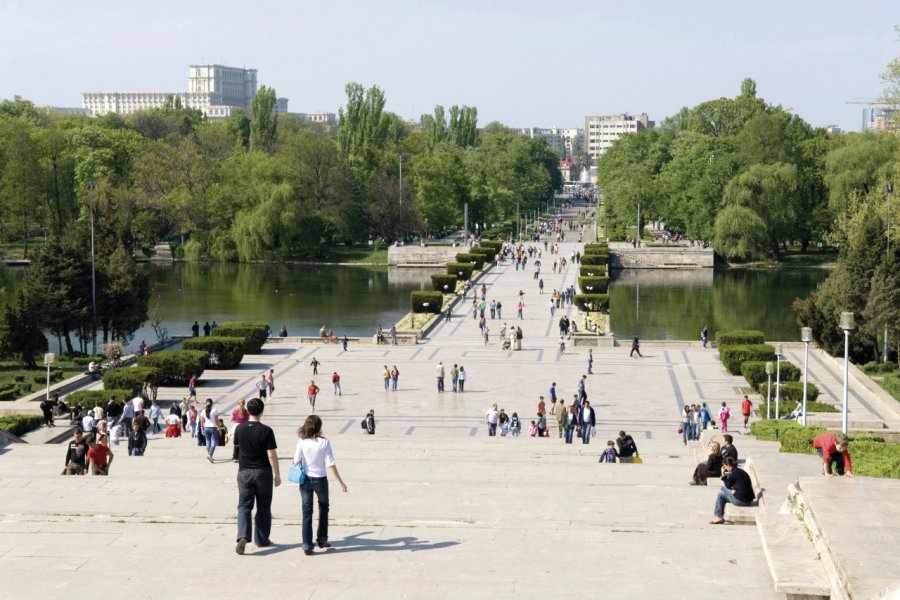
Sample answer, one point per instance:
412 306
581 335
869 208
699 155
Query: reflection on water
676 304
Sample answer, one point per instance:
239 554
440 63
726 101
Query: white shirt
462 376
212 421
316 456
173 419
492 416
87 423
138 403
439 370
98 412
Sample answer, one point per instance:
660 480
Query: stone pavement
435 509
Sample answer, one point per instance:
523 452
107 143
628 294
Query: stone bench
747 515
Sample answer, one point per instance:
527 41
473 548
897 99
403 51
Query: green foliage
800 439
592 302
427 301
771 429
602 247
20 332
739 336
445 284
592 270
19 425
593 285
733 356
891 384
590 260
131 378
792 392
177 366
740 234
874 459
92 398
456 268
264 120
879 368
493 245
224 352
474 259
755 373
254 334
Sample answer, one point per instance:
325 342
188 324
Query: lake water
675 305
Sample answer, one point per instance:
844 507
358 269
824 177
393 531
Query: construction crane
872 102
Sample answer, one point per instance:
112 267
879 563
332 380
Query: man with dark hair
737 489
76 455
728 449
257 472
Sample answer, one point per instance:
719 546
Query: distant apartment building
601 131
326 118
215 90
561 141
879 118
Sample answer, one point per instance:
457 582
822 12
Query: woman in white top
209 416
314 453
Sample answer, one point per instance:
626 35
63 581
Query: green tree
264 120
857 165
239 128
123 295
363 129
883 303
20 179
740 233
768 191
20 332
442 186
463 128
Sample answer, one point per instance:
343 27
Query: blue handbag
297 474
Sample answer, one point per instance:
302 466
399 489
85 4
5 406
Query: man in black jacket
76 455
627 448
737 489
728 449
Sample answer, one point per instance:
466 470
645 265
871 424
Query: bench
747 515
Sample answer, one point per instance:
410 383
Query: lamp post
890 190
778 350
400 161
90 186
49 359
806 338
769 390
848 324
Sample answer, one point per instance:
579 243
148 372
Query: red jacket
312 390
747 406
825 441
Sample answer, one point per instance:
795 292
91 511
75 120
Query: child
541 425
137 441
514 425
695 426
724 416
610 454
192 419
533 429
562 346
118 430
222 431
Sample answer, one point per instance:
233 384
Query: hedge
799 440
786 407
482 251
594 259
20 424
446 284
879 368
92 398
224 352
435 301
599 302
739 337
455 268
875 459
131 378
593 285
176 366
754 371
592 271
791 391
601 246
733 356
254 334
476 260
495 246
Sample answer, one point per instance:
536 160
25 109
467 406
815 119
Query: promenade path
435 509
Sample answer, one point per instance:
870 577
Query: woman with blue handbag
315 456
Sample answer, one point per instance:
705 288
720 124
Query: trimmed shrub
592 270
879 368
476 260
597 302
875 459
792 391
438 282
754 371
786 407
493 245
891 384
20 424
739 337
131 378
92 398
455 268
799 440
176 366
433 300
593 285
254 334
733 356
594 259
771 429
224 352
600 246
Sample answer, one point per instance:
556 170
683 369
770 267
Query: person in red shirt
336 382
832 448
99 456
746 409
311 392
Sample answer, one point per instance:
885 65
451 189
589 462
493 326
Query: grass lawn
22 381
16 250
357 254
812 258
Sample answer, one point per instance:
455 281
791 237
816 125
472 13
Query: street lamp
848 324
890 190
400 161
49 359
769 390
806 338
778 350
90 186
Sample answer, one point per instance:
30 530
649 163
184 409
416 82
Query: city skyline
525 64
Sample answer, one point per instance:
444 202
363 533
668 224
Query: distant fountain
585 176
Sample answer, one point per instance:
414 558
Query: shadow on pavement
357 543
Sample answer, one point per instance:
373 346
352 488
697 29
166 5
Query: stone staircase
162 252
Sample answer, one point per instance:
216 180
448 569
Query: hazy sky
522 62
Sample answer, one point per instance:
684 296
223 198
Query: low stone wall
624 256
437 256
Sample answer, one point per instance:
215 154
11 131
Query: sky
525 63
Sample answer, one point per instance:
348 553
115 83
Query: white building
327 118
561 141
601 131
215 90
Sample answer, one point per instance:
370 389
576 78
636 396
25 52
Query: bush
456 268
594 260
771 429
438 282
754 371
224 352
495 246
593 285
592 270
792 391
176 366
733 356
476 260
891 384
875 459
599 246
799 440
20 424
254 334
738 337
131 378
786 407
879 368
434 301
597 302
92 398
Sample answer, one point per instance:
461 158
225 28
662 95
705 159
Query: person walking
137 441
315 365
704 336
209 419
491 417
315 454
192 387
746 409
386 375
258 474
635 347
311 392
395 375
270 382
627 448
560 413
239 416
393 335
582 390
724 416
99 456
462 379
155 416
76 455
439 373
569 423
454 377
262 386
344 341
336 382
590 361
587 420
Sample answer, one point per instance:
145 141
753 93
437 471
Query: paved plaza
436 508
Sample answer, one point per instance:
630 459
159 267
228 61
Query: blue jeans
586 433
394 383
492 429
319 486
255 486
724 496
453 383
387 381
685 433
212 439
590 367
570 432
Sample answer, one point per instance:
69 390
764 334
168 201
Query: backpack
514 423
363 424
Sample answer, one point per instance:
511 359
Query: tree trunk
68 339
